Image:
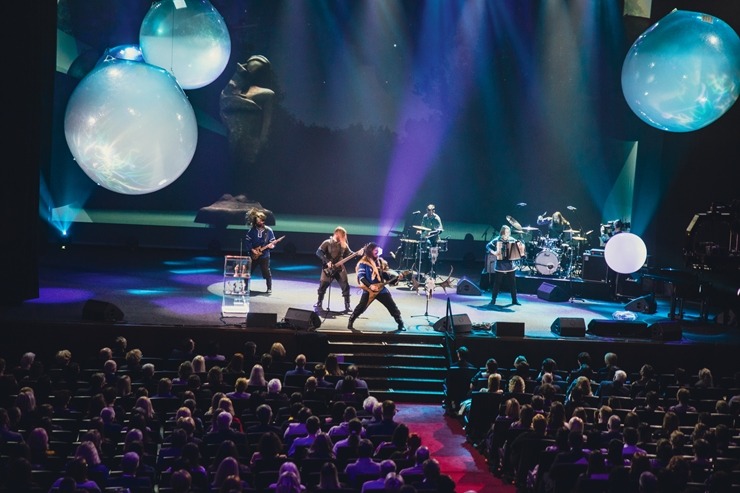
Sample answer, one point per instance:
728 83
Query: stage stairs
398 366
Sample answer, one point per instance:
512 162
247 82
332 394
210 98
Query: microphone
571 208
521 204
416 212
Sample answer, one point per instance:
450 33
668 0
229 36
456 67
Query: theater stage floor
170 287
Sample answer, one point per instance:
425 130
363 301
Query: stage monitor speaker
461 322
508 329
266 320
101 311
569 327
551 292
643 304
666 331
302 319
468 287
619 328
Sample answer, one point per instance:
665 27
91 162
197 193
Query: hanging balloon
130 127
187 38
124 52
683 73
625 253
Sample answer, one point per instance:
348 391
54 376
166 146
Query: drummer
432 224
556 224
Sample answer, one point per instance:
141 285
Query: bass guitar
257 251
336 266
393 280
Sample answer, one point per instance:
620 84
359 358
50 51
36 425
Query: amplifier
594 266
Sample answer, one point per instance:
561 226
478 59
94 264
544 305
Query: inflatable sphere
683 73
188 39
625 253
130 127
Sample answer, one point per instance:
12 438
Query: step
420 384
410 396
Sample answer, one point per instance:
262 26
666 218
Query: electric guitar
373 294
257 251
336 266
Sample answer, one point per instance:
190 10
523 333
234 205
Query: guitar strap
376 273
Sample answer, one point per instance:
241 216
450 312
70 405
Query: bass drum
547 262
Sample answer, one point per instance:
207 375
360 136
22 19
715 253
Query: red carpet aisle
446 440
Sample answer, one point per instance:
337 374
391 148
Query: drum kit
549 256
414 251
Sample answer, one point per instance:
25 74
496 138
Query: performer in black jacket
332 251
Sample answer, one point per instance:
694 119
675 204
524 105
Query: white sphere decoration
625 253
188 38
130 127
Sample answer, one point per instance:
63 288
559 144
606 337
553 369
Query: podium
237 272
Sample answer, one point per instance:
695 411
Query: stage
153 287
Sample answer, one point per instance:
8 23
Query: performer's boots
351 321
401 326
319 302
347 307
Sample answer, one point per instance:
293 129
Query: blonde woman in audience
288 468
257 377
199 364
225 404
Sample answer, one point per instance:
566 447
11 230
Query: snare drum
547 262
410 248
442 245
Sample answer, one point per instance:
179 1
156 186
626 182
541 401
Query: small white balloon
188 38
625 253
130 127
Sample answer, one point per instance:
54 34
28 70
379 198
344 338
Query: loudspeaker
268 320
302 319
550 292
643 304
461 322
466 286
101 311
619 328
569 327
666 331
508 329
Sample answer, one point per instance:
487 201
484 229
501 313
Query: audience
124 423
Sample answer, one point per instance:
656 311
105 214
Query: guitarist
373 275
259 236
330 252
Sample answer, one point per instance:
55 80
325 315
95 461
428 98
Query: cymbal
422 228
529 228
571 231
579 238
514 222
394 232
409 240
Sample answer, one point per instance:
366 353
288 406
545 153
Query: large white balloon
188 38
683 73
130 127
625 253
